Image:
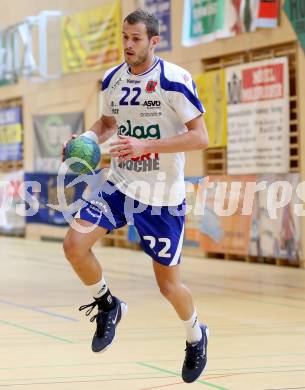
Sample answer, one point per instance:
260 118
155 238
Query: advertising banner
268 13
92 39
258 117
192 218
223 227
295 11
279 235
244 15
162 10
11 197
50 132
48 194
255 215
10 134
248 15
204 21
211 87
207 20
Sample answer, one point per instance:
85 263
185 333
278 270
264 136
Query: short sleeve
105 106
184 99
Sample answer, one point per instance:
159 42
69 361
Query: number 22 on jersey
130 96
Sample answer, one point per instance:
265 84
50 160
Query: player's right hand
63 148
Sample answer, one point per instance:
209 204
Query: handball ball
86 150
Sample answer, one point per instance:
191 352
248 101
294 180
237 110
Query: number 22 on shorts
166 241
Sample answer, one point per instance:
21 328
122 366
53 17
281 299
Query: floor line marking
179 375
36 331
162 386
38 310
95 380
81 376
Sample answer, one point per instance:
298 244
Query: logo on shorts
99 205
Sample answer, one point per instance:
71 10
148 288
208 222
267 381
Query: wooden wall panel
79 91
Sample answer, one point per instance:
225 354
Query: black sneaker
195 357
106 322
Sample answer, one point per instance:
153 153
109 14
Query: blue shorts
161 229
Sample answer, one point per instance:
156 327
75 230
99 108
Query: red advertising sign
268 13
262 83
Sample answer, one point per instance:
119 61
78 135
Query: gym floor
255 312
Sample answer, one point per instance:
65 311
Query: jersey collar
157 60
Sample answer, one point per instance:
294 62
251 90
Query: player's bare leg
171 287
78 250
77 247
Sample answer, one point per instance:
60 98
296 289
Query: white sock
99 289
193 331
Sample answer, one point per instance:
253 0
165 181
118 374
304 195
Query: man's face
136 44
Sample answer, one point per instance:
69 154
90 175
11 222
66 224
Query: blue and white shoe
106 323
195 357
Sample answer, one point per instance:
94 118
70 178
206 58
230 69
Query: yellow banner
212 92
10 134
91 40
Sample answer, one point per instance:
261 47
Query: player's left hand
127 148
63 146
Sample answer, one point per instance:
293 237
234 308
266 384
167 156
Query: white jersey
153 105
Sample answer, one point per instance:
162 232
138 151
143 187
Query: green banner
206 17
50 132
295 11
204 21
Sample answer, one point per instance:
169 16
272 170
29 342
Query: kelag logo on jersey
142 132
147 162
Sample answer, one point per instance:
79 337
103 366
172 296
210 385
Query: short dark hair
150 21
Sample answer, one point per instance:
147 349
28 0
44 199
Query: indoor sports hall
243 237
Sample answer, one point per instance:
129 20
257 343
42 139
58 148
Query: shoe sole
207 332
124 310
